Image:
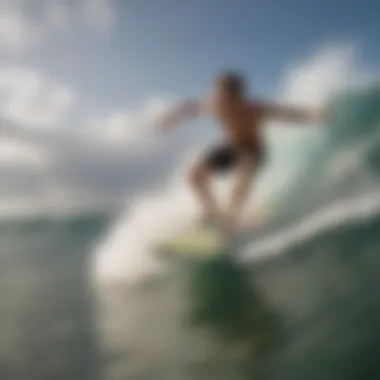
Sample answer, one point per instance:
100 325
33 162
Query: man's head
231 85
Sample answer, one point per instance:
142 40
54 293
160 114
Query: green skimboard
202 242
197 243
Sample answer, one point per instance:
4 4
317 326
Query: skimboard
200 242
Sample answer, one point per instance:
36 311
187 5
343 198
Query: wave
320 170
340 214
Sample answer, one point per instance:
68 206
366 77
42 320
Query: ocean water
297 299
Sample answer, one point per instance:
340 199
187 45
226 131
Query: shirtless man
243 150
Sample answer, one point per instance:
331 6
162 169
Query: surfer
242 147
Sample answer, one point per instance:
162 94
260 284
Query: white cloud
318 76
25 23
69 167
100 13
16 29
58 15
32 99
126 127
14 152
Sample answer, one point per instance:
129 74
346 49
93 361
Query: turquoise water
304 303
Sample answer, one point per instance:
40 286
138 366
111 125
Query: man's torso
240 122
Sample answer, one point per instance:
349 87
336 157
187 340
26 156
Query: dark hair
232 81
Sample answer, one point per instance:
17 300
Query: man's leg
245 171
199 178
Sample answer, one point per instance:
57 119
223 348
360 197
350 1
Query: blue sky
176 46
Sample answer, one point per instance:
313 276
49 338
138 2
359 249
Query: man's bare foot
224 225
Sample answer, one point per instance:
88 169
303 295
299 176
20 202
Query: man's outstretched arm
293 114
185 111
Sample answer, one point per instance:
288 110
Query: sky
136 48
82 80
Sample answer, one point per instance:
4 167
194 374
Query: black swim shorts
224 157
